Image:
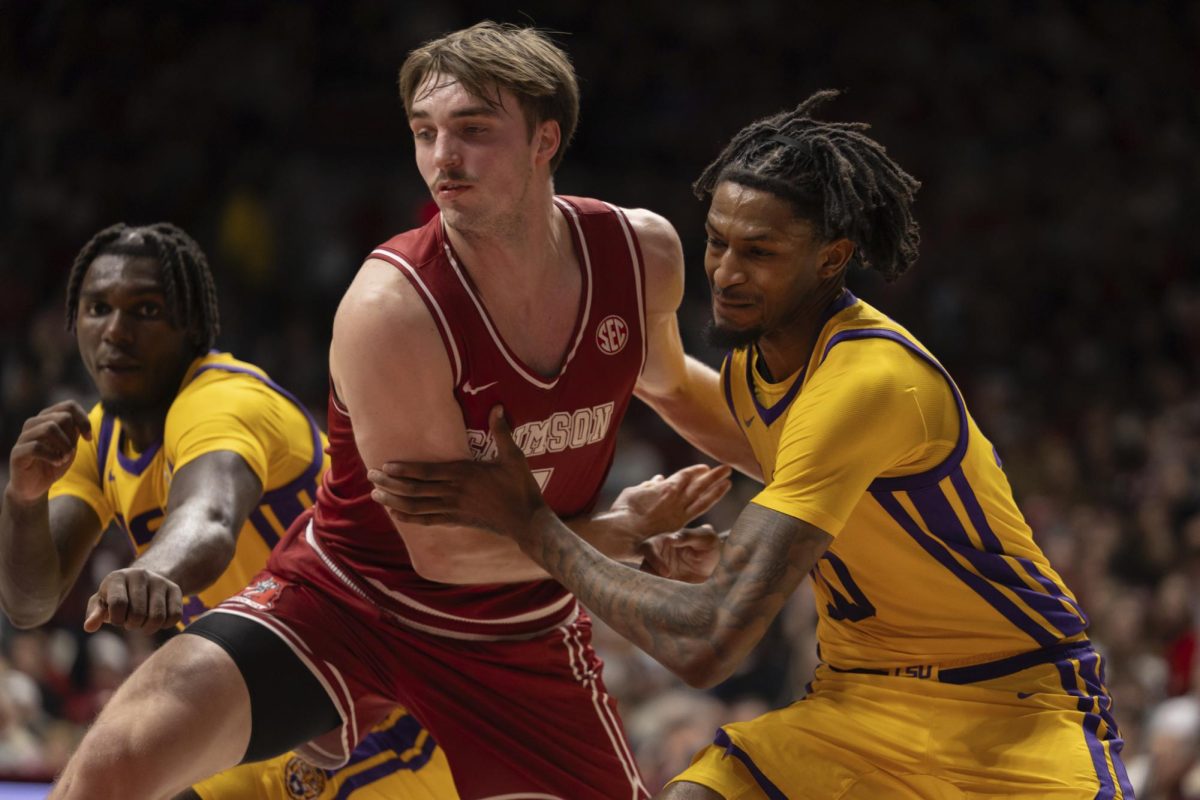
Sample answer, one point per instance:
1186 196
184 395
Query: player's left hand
688 555
501 496
135 599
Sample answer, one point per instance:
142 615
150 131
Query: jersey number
854 608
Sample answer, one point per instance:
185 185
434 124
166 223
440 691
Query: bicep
219 484
393 374
662 256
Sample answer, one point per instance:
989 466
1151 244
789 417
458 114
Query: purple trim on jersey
939 472
102 444
945 526
136 466
726 366
1091 726
980 586
843 301
769 415
991 543
768 788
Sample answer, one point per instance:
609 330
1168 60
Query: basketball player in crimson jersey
558 307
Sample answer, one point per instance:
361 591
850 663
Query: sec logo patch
611 335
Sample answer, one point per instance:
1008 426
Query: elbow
27 622
27 616
433 567
703 672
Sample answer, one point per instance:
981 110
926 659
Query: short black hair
834 175
187 280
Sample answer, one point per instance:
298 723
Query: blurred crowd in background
1058 145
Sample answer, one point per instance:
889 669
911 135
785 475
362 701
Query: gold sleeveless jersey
932 562
224 404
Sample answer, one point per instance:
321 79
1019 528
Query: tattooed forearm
699 631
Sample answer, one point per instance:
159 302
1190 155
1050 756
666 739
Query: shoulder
381 301
875 369
383 327
662 255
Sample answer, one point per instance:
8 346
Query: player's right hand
44 450
135 599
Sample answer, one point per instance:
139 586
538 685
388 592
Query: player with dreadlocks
954 660
202 460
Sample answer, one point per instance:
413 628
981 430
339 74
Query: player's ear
834 257
547 138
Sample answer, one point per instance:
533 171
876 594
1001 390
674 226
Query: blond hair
489 57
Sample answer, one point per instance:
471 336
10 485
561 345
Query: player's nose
446 154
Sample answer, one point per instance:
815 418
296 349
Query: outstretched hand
134 599
501 496
663 505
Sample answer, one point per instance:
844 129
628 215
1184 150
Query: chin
725 337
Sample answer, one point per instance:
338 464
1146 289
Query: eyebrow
482 110
758 237
136 291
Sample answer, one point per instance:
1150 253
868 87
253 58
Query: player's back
934 565
566 423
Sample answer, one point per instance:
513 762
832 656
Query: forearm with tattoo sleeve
701 632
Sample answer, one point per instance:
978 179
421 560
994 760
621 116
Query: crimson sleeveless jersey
566 424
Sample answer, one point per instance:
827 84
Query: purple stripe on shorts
1091 723
1091 669
1013 664
769 789
979 585
398 739
944 524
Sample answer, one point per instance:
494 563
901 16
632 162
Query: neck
528 247
143 429
789 347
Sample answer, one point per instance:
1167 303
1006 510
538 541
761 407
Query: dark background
1059 282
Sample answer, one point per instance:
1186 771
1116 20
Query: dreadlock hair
834 175
187 281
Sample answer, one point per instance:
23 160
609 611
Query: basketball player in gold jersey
954 661
203 461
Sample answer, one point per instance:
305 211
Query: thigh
844 743
321 672
522 718
183 715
